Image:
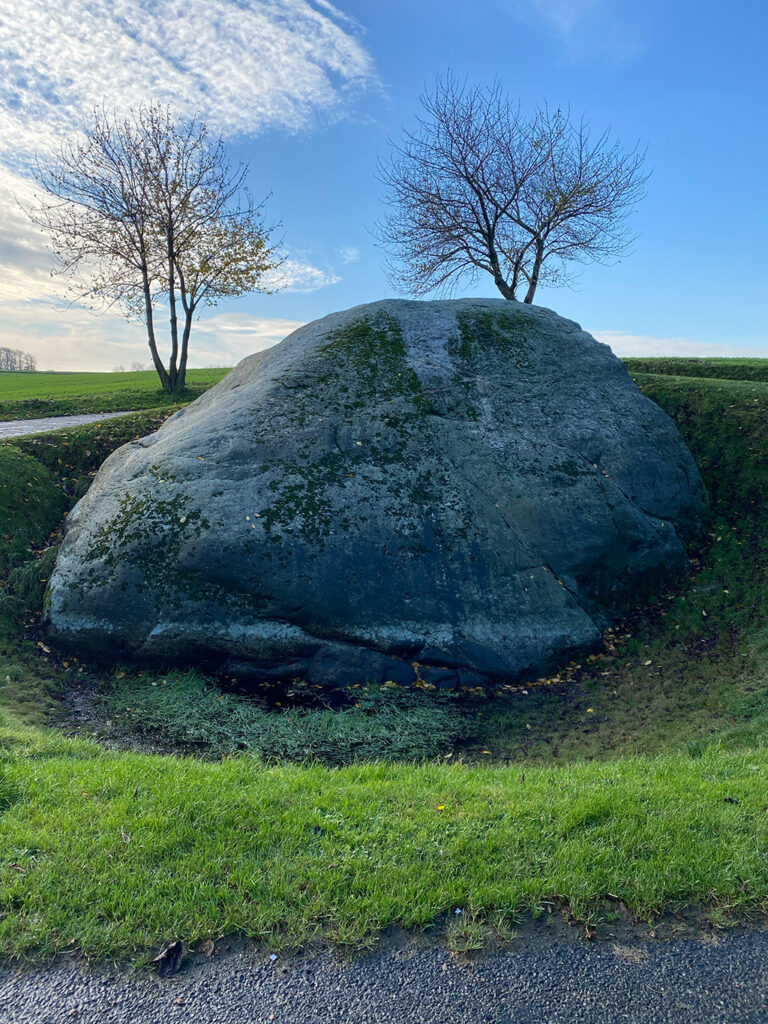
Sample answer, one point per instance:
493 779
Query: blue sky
308 94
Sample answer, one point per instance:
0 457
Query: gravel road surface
723 981
15 428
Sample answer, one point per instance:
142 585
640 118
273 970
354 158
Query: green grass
74 454
32 395
183 710
637 777
31 504
108 852
41 477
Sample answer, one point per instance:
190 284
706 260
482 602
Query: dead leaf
206 947
169 960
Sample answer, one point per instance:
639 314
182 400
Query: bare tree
13 359
480 187
147 208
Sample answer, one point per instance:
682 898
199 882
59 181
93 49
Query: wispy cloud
564 16
607 29
298 276
246 65
349 254
24 260
243 65
624 344
229 337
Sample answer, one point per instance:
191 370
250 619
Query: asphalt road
717 981
17 428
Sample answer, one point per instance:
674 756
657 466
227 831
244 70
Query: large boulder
454 491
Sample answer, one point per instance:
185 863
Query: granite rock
458 491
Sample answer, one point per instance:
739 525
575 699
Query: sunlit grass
32 395
118 852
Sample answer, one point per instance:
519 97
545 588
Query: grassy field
634 782
677 366
26 396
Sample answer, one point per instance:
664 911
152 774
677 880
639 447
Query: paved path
15 428
682 981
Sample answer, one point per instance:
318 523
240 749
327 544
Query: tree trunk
181 379
498 277
533 280
161 371
172 366
503 287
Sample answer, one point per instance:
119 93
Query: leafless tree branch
478 187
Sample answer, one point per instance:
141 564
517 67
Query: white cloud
298 276
243 65
24 260
232 336
74 339
339 16
624 344
349 254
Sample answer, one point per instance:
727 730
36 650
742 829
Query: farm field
677 366
31 395
143 806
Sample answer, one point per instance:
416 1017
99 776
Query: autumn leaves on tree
146 208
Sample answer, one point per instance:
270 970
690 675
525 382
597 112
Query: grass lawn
26 396
634 779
